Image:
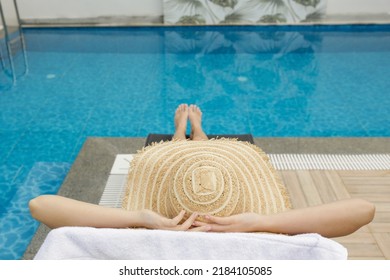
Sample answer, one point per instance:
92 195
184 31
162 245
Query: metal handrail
1 55
8 42
17 13
21 36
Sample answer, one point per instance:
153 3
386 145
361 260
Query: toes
182 108
195 108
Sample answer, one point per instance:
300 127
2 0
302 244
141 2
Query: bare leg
195 116
181 118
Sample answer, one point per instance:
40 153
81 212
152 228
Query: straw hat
220 177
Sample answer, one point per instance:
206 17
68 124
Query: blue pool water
269 81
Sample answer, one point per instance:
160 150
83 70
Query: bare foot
195 116
181 118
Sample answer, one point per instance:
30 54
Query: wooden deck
315 187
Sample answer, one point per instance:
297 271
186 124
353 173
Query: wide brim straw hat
220 177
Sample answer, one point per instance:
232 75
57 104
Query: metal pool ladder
13 58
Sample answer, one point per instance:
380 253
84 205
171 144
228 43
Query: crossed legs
194 115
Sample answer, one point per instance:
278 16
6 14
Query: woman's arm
57 211
329 220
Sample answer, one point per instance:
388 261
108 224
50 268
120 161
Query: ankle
197 128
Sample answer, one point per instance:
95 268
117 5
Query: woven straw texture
220 177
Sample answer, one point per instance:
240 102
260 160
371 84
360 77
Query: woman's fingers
210 223
220 220
179 217
174 222
215 220
189 222
213 226
200 224
201 228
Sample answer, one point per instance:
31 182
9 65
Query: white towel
119 244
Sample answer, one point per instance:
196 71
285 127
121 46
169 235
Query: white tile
122 164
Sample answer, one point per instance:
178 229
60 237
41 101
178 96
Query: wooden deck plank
378 189
314 187
366 251
309 188
364 173
379 227
291 181
383 240
384 181
373 197
382 217
367 258
382 206
337 184
322 183
358 238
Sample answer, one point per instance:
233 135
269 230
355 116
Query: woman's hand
246 222
152 220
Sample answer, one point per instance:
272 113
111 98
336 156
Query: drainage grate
114 190
330 161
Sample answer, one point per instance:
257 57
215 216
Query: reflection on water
268 71
293 80
271 81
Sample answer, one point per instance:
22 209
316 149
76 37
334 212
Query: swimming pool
328 81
